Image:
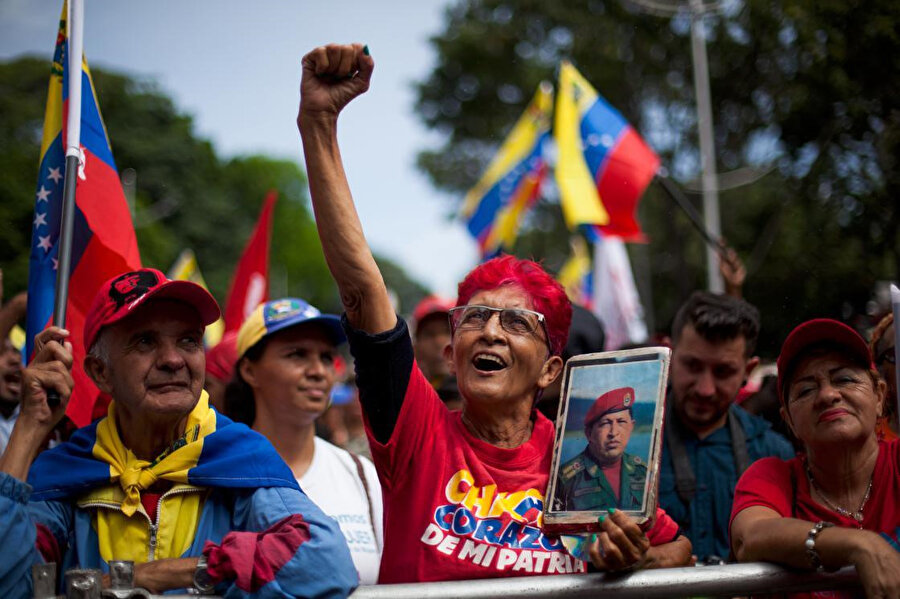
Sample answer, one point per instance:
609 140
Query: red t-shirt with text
456 507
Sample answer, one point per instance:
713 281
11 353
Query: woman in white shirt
282 384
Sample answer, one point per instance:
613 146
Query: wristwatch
203 582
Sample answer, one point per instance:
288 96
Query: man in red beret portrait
604 476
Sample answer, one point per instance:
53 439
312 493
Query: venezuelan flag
494 208
603 165
103 243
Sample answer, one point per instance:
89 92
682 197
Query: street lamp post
707 145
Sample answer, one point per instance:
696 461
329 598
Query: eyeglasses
517 321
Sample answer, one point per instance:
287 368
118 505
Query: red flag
103 240
250 285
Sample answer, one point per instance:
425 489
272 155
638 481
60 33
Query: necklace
858 514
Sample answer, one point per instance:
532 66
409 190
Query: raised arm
50 369
332 76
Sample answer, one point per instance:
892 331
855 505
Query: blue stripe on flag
45 241
601 129
482 220
93 136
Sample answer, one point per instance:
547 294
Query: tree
795 89
185 196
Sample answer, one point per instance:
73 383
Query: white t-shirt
333 484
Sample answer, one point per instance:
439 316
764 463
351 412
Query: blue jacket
705 521
253 511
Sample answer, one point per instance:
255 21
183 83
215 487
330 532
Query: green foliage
186 196
796 87
23 88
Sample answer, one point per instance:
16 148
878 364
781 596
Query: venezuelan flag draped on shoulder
493 209
603 165
103 244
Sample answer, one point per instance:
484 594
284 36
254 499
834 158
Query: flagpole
714 244
74 159
707 142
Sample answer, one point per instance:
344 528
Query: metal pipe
83 584
707 144
711 581
730 580
43 580
121 574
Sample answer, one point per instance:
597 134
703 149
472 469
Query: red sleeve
767 482
419 418
252 559
665 530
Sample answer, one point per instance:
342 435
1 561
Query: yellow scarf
119 535
135 475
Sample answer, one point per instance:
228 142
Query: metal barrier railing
708 581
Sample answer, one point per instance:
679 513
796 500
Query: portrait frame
628 384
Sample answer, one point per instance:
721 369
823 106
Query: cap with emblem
276 315
611 401
123 294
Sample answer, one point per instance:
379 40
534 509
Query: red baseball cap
121 295
813 332
432 304
611 401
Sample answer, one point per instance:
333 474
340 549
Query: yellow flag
186 268
577 188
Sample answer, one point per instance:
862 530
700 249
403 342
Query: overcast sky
235 66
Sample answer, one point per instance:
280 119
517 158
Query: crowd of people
209 469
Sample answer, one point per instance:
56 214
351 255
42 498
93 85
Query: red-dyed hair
547 296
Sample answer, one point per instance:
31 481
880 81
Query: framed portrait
608 438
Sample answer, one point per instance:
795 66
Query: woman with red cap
837 504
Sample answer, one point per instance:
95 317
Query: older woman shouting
463 490
838 504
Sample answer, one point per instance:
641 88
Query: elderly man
709 441
195 500
603 476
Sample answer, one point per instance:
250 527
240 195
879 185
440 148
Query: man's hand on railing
162 575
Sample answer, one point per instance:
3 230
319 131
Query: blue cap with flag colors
276 315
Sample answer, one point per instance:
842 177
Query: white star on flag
55 264
43 194
44 243
40 218
55 175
